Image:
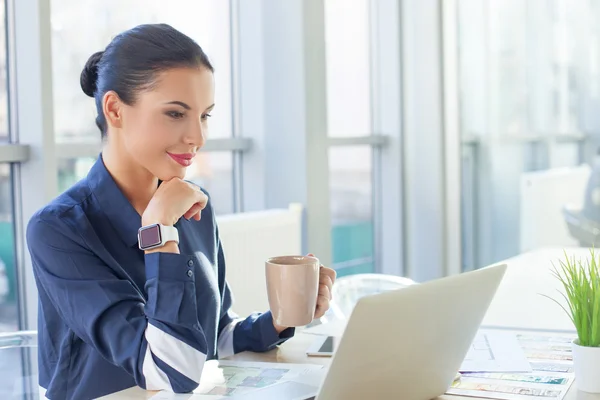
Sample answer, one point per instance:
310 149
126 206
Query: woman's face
167 125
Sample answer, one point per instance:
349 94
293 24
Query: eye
175 114
205 116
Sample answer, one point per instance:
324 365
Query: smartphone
323 346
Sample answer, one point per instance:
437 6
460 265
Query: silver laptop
405 344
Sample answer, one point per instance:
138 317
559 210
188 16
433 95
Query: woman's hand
326 281
174 199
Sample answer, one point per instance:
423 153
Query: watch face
149 236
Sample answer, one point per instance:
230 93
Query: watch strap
169 234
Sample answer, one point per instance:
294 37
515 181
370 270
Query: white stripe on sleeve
178 355
156 379
225 340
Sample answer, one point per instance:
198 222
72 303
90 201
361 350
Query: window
8 283
348 74
71 170
529 84
351 191
11 359
347 36
80 28
214 172
4 136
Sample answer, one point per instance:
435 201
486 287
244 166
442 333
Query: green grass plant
580 280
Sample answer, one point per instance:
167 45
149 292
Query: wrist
169 247
151 220
157 237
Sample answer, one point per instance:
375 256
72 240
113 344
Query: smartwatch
156 235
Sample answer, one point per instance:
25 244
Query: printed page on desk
224 379
495 351
552 374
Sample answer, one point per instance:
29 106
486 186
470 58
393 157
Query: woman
130 292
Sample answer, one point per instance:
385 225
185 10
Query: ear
112 106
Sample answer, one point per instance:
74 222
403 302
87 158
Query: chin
180 175
166 174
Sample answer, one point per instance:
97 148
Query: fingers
326 280
324 270
322 306
197 216
201 197
328 272
194 212
324 291
323 297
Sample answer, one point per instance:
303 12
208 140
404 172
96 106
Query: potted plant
581 283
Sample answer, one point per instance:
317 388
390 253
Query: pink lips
183 159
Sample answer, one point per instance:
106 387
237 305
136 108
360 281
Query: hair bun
89 75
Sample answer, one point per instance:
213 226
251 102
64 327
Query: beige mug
292 288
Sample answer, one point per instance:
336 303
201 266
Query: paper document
285 391
495 351
224 379
552 372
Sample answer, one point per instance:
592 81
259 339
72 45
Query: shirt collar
113 203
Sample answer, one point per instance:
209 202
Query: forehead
193 86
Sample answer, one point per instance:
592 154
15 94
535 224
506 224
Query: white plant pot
586 362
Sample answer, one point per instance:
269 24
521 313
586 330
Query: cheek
150 138
149 143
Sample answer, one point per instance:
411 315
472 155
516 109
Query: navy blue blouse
112 317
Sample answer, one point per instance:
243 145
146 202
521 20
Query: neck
136 182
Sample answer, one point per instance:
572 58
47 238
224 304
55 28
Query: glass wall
214 172
348 36
350 180
529 84
8 283
11 361
80 28
4 133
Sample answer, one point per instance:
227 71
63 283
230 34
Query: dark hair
132 60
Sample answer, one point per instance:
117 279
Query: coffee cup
292 287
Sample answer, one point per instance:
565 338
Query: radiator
248 239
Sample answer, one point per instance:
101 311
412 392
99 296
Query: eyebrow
187 107
180 103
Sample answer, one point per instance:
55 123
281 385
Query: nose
196 135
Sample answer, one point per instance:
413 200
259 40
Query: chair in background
10 340
544 195
18 365
248 240
583 217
